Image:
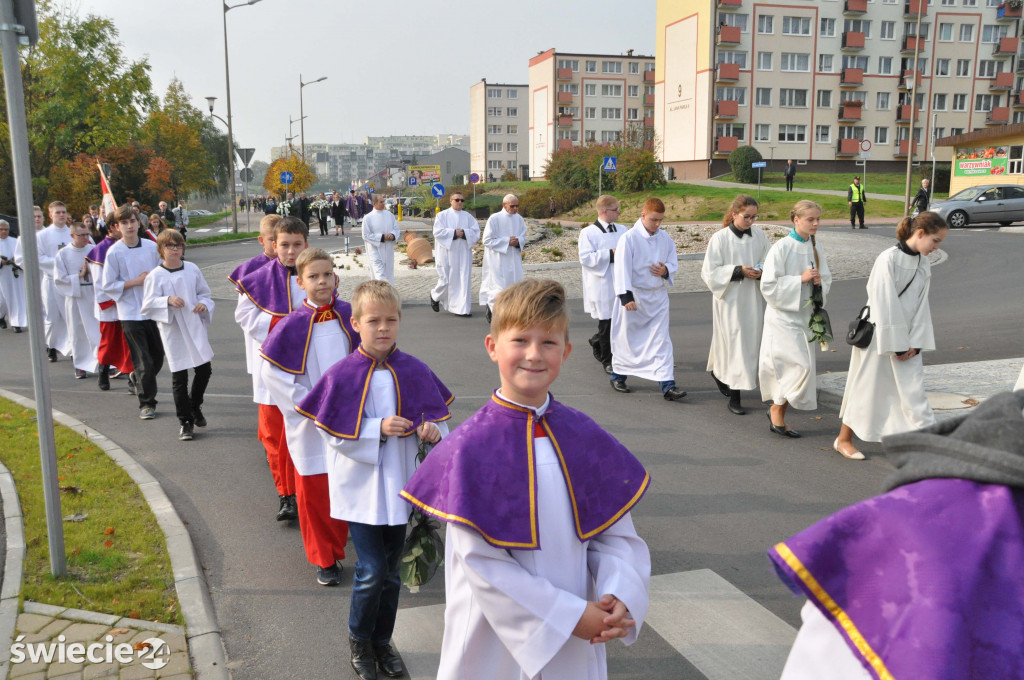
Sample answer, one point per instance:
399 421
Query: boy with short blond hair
371 453
296 354
541 558
269 254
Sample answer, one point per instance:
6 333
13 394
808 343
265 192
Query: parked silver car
985 204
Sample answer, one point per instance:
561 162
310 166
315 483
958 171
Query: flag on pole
108 205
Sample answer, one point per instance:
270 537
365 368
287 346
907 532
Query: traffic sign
287 177
474 177
245 174
371 189
865 145
437 189
609 164
372 185
245 155
865 154
412 181
761 164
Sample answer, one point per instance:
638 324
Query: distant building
498 128
586 99
453 162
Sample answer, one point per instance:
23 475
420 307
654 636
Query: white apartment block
579 99
498 122
812 79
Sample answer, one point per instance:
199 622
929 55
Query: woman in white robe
787 360
380 232
12 288
504 238
731 269
74 283
885 384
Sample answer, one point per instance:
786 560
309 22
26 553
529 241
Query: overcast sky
393 68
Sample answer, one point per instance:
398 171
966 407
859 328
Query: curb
205 644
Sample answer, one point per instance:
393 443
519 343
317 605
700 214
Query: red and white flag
108 204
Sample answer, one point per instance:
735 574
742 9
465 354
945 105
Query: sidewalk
802 190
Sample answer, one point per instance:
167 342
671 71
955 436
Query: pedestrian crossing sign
609 164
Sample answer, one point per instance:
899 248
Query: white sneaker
147 413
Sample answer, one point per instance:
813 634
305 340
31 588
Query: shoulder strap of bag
911 278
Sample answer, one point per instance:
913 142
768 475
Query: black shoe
465 316
133 388
863 227
388 661
3 322
434 304
734 404
285 510
104 378
80 374
364 663
328 576
52 354
783 431
608 369
722 387
620 386
18 329
673 394
198 417
595 347
488 314
186 432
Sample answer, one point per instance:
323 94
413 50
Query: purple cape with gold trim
482 474
336 402
98 255
248 267
268 288
287 345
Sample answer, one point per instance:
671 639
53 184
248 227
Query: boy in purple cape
924 581
269 254
367 407
542 561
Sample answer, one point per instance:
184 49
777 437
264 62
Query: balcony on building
915 7
903 112
726 144
727 108
565 97
852 77
648 100
564 121
1000 115
901 148
1005 11
848 147
855 7
565 74
906 75
850 111
564 144
729 36
649 121
648 76
853 40
1006 47
727 72
910 43
1002 81
730 4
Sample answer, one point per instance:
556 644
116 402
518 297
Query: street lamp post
231 168
302 116
913 105
227 84
288 144
291 122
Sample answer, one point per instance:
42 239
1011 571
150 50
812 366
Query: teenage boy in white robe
645 265
74 283
12 288
455 232
504 238
786 370
597 244
731 269
178 299
380 231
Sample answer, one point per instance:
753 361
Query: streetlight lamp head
319 79
210 101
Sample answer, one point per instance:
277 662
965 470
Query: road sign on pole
412 181
609 164
437 190
474 177
245 155
287 177
246 174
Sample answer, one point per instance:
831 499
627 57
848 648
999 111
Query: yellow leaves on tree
303 174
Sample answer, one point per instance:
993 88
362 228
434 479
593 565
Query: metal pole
600 175
231 137
18 130
302 122
913 105
931 185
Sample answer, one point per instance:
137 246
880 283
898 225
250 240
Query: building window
885 66
882 101
494 129
766 24
763 96
888 30
764 61
494 165
986 102
959 102
736 94
988 68
946 32
736 130
572 88
963 67
649 89
790 98
572 64
732 57
512 130
939 101
792 133
611 90
854 132
632 114
881 135
858 25
737 20
494 111
572 135
940 132
493 147
568 111
762 132
512 112
633 90
967 33
590 112
591 66
589 89
611 67
494 93
910 29
610 135
634 67
824 99
512 165
590 136
855 61
992 34
514 94
825 63
827 28
796 25
611 114
942 67
823 133
792 61
512 147
649 66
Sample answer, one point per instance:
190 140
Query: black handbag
861 328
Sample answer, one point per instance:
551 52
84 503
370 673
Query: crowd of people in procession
542 560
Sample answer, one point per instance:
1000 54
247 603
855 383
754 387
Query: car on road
198 213
984 204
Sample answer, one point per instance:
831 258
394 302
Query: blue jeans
376 584
665 385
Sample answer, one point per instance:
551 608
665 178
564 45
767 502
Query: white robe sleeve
154 300
819 651
623 267
205 296
591 256
67 283
443 231
252 319
492 241
365 449
472 229
826 275
532 618
112 284
19 257
716 272
620 565
671 260
781 290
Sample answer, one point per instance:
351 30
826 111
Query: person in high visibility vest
856 197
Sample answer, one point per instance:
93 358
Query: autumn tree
304 177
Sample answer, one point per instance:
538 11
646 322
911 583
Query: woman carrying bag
885 385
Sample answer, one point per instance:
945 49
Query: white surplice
376 225
183 331
124 263
328 345
595 249
365 475
502 263
454 259
787 359
641 345
737 307
1020 381
255 325
12 290
884 395
820 652
48 241
77 293
509 614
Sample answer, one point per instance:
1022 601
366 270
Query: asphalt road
724 489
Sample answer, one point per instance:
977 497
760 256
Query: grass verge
206 220
116 556
223 237
893 183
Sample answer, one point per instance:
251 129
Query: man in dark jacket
922 198
302 210
790 174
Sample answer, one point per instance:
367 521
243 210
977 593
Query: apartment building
586 98
812 79
498 125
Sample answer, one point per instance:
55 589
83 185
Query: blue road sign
371 190
761 164
437 190
474 177
412 181
609 164
287 177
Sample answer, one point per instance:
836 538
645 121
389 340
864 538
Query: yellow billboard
425 174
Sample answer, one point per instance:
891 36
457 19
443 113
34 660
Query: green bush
740 160
577 168
536 203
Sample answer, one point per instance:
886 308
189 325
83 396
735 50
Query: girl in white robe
380 231
74 283
787 359
503 260
885 385
731 269
12 288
